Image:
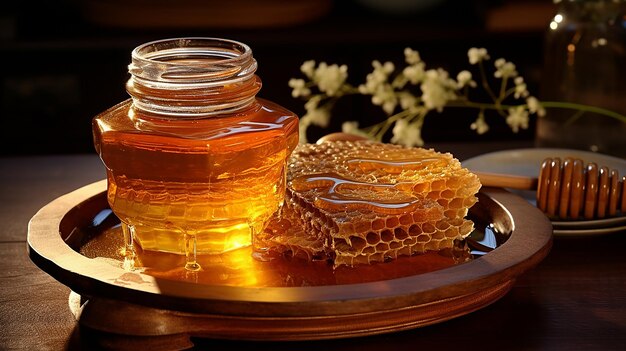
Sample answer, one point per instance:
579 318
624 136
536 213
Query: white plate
527 162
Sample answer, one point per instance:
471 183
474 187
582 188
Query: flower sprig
407 95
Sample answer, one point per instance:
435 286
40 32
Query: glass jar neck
190 78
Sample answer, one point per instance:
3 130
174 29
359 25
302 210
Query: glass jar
195 162
585 63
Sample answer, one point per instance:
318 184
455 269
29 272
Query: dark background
63 62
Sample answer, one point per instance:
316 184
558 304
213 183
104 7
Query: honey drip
338 192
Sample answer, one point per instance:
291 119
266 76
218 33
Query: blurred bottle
585 63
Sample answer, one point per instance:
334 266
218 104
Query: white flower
350 127
377 77
521 90
329 79
504 69
477 55
299 88
399 81
464 78
437 89
377 85
385 97
397 90
308 68
407 134
411 56
518 118
480 125
313 102
534 106
319 117
414 73
388 67
368 88
408 101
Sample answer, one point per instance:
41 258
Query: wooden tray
138 304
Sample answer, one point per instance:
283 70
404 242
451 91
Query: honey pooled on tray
195 162
362 202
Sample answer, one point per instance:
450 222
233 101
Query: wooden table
574 300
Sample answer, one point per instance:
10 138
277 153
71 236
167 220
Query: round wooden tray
135 303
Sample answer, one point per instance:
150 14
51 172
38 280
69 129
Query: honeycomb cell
400 233
386 235
392 222
452 232
362 202
409 242
372 238
421 188
453 183
382 247
438 185
415 230
406 219
369 250
429 228
442 225
358 243
438 236
447 194
362 226
456 203
395 245
378 224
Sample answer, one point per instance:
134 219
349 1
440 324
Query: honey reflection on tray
239 268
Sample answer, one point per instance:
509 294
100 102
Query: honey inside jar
195 162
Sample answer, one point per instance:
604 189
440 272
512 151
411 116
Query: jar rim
201 60
203 75
146 52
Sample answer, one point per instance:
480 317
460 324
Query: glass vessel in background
195 162
585 63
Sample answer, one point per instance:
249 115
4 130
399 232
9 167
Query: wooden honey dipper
569 189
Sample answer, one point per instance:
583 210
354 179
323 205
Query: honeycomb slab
363 202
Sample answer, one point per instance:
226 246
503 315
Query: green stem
585 108
481 105
574 118
502 90
378 130
545 104
485 82
389 121
509 92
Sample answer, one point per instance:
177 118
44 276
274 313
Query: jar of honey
195 162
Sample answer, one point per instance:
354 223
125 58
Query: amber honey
195 163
